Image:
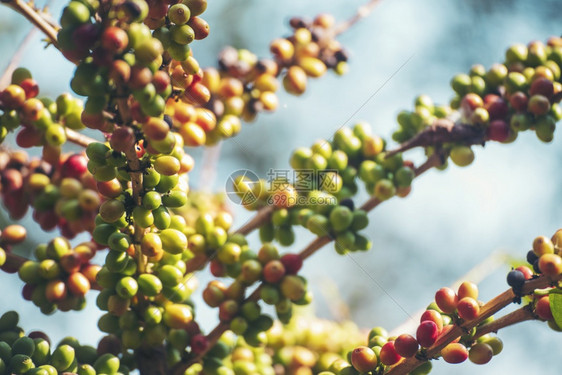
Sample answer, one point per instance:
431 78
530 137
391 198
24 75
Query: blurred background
451 222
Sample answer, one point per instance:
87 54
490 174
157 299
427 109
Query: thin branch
442 131
35 18
16 58
520 315
489 309
262 215
308 251
78 138
362 12
476 275
14 261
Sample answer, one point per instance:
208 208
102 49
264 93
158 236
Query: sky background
452 221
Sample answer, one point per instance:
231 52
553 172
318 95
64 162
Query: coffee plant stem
362 12
315 245
520 315
476 274
35 18
262 215
78 138
14 261
443 131
490 308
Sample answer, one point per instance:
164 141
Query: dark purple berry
347 202
515 279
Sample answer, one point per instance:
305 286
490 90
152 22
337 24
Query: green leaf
556 307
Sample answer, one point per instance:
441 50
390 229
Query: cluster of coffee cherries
61 276
523 93
123 60
244 85
43 121
61 192
544 259
325 177
32 354
10 236
305 345
449 309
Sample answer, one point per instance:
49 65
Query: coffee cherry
542 308
527 272
127 287
467 289
550 264
515 279
273 271
384 189
179 14
468 308
542 245
454 353
114 39
292 263
364 359
480 353
447 300
78 284
388 354
433 316
427 333
406 346
462 155
538 105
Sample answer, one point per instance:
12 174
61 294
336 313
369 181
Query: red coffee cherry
406 345
427 333
542 308
468 308
434 316
292 263
447 300
274 271
388 354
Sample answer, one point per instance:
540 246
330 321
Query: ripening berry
406 345
446 299
498 130
480 353
114 39
542 308
364 359
542 245
434 316
468 308
550 264
454 353
468 289
462 155
388 354
292 263
538 105
495 343
526 271
427 333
